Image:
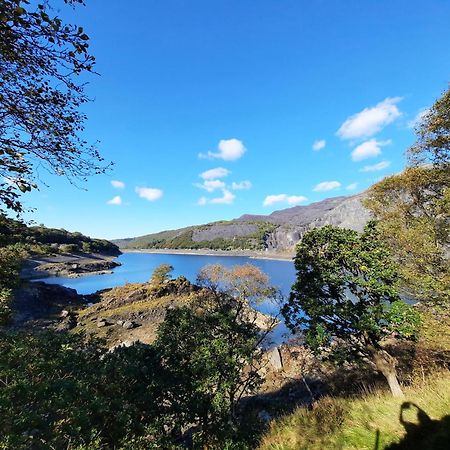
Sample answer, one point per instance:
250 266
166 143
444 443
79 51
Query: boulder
274 358
103 323
129 325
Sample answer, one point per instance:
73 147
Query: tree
41 62
413 209
63 390
433 135
161 274
10 261
210 353
340 300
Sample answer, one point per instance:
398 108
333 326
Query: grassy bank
370 422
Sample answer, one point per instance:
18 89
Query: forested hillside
51 239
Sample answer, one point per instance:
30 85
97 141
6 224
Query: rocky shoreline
277 256
69 265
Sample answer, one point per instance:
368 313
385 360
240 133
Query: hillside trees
433 135
414 209
342 296
41 62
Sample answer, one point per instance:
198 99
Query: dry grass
363 423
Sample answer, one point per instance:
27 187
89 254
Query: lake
138 267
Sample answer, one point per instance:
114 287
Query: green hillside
52 239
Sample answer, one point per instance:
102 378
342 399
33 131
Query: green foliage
10 260
207 356
161 274
404 319
182 239
413 209
40 97
340 299
433 135
47 240
61 391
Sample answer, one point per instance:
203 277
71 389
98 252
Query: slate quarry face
287 225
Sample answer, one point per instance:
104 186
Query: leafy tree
63 391
161 274
41 61
413 209
10 261
245 283
433 135
208 363
340 300
210 355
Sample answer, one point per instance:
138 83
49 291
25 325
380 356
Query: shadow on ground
422 434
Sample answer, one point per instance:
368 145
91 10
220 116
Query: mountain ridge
278 231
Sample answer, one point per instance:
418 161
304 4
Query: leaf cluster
345 283
41 62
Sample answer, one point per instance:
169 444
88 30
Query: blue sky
212 109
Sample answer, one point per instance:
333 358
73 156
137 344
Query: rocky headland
67 265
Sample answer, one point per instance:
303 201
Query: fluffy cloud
226 199
228 150
351 187
371 120
418 118
368 149
319 145
117 184
327 186
211 185
241 186
117 200
284 198
375 167
218 172
150 194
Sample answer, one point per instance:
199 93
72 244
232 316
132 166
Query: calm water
138 267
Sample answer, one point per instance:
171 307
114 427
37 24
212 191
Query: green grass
358 423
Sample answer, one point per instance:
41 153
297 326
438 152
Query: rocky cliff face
344 212
276 232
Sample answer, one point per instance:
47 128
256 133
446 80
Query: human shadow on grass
424 433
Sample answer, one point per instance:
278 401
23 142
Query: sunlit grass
362 423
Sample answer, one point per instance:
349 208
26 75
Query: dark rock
38 301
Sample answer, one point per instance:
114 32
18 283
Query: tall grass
371 422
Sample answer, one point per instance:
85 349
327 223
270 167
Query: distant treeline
54 240
183 239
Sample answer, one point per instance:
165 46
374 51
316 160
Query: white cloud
228 150
241 185
418 118
226 199
319 145
117 200
375 167
368 149
218 172
284 198
150 194
327 186
351 187
371 120
211 185
117 184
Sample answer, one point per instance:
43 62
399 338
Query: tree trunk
386 363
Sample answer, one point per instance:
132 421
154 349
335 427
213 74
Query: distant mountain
277 232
